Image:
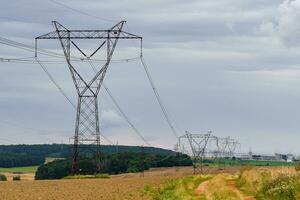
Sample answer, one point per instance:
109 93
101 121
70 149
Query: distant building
290 158
285 157
265 157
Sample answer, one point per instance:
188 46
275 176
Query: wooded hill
29 155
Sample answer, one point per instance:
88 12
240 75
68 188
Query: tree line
116 163
29 155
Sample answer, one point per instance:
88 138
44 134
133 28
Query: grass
3 177
261 183
270 183
258 163
102 176
218 188
231 162
176 189
30 169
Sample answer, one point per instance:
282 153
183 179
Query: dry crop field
108 189
125 186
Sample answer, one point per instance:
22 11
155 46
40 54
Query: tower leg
87 131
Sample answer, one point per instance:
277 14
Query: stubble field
125 186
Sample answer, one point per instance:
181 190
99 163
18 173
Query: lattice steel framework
208 146
87 118
198 144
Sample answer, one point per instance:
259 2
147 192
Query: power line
63 92
56 84
120 109
81 12
163 108
41 64
31 60
108 140
124 115
30 48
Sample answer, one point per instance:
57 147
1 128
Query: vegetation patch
104 176
238 162
297 166
3 177
218 188
284 187
16 178
270 184
177 189
19 170
252 181
30 155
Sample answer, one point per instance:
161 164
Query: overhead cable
163 108
121 110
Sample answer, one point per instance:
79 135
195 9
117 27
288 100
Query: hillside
29 155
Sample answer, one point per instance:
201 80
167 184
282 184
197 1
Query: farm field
31 169
106 189
124 186
177 183
26 173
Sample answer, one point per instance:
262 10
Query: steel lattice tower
198 144
87 118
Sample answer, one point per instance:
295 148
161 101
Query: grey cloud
218 65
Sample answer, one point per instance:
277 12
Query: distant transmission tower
87 119
198 144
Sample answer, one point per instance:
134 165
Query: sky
228 66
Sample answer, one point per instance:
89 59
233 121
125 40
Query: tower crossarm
112 33
89 34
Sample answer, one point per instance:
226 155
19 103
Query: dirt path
232 185
202 187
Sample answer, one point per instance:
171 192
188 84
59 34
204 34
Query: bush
297 166
54 170
284 187
252 180
97 176
3 177
16 178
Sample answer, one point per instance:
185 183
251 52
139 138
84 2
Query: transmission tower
227 146
87 120
232 146
198 144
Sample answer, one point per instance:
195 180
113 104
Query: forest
29 155
116 163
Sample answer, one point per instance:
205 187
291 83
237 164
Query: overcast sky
230 66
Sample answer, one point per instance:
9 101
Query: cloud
189 48
285 24
111 118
